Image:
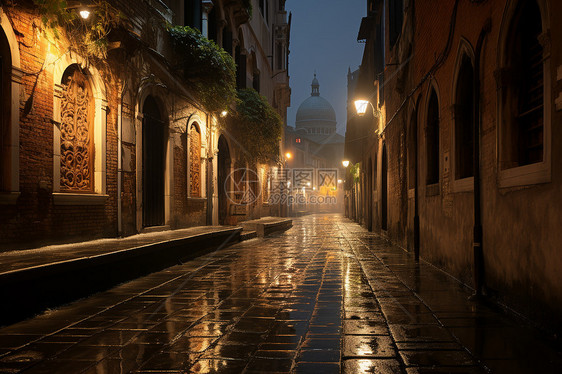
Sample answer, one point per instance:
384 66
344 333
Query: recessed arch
10 113
224 166
154 141
463 113
432 135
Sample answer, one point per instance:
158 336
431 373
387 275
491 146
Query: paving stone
326 296
379 366
368 346
437 358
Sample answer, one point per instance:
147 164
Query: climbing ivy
248 6
354 171
208 68
256 127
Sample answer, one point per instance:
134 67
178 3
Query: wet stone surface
324 297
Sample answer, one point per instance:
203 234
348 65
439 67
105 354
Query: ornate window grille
195 161
76 129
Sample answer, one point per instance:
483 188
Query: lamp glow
361 106
85 14
345 163
289 155
224 113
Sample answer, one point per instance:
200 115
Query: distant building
314 142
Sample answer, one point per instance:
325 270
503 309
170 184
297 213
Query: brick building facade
119 146
428 67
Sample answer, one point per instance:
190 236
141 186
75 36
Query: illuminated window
297 140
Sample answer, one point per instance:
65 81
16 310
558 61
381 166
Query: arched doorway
370 195
223 172
154 131
384 189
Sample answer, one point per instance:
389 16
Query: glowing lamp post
345 163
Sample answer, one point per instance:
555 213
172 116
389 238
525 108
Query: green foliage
206 66
248 6
256 127
354 171
88 37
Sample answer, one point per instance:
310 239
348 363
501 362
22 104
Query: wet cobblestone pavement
324 297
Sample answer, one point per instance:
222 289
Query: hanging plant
88 37
256 127
208 68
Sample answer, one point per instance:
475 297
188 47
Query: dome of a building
315 111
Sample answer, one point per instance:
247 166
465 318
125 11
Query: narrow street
323 297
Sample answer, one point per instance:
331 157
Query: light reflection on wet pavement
324 297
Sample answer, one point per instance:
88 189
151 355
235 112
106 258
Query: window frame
466 184
539 172
433 190
9 189
98 197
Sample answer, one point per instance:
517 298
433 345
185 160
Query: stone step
247 235
267 225
35 280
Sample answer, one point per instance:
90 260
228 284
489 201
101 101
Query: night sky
324 38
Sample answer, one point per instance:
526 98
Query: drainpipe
479 271
120 161
416 210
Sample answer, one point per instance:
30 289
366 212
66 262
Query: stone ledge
9 198
267 225
63 198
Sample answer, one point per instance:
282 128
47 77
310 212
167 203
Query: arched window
464 120
523 128
432 139
195 160
76 132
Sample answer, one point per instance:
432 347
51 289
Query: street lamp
345 163
224 113
288 155
85 13
361 107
